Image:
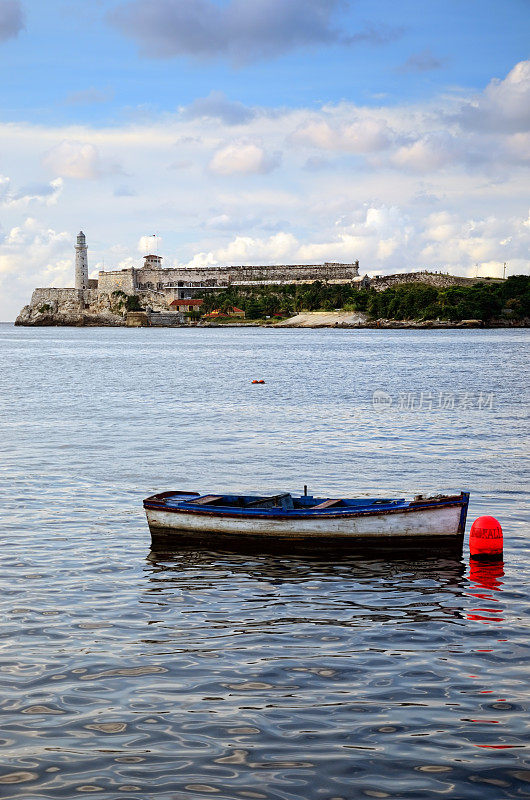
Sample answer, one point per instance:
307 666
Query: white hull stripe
437 521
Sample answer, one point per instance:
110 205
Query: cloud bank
398 187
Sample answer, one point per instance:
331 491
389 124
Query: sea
208 673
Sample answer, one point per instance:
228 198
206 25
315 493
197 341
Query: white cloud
34 193
428 153
466 244
32 255
5 184
244 158
518 146
149 244
359 136
377 236
249 250
384 239
503 106
75 159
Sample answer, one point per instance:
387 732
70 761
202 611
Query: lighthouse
81 262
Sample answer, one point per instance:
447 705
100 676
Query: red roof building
231 311
191 304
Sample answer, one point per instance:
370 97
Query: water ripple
126 672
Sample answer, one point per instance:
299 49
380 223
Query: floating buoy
485 539
260 381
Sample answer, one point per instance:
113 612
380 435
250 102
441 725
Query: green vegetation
44 308
133 303
259 302
127 302
485 300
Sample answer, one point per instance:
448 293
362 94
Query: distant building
193 304
231 311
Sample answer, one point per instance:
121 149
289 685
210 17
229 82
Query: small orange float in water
261 381
485 539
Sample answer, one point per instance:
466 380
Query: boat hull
437 523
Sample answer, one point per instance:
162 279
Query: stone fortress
178 283
101 301
97 302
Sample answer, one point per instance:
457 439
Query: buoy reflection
486 575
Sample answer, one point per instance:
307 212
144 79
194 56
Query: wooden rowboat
184 517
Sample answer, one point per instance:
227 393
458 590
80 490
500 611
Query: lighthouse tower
81 262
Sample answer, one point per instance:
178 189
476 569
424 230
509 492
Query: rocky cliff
71 307
81 307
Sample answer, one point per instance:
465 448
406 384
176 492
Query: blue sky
257 130
71 48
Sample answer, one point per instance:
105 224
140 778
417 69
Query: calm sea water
198 674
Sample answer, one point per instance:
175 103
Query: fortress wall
296 272
40 296
59 298
439 280
222 276
119 281
56 297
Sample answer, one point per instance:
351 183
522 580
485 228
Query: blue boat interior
283 502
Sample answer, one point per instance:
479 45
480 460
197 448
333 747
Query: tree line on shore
484 300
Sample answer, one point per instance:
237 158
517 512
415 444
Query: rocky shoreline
309 320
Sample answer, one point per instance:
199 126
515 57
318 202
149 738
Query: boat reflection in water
357 588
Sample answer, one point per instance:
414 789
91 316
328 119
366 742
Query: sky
263 132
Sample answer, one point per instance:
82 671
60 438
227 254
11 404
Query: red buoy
485 539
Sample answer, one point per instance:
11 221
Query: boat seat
209 498
285 501
326 504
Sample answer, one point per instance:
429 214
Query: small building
190 304
231 311
235 312
152 262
